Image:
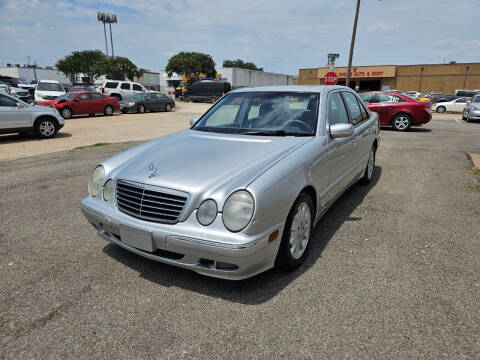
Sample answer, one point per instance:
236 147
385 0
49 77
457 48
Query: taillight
103 90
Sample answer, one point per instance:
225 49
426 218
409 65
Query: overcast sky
279 35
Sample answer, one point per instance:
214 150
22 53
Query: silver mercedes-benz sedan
241 190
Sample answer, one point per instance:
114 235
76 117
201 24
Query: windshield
68 96
138 96
263 113
49 86
476 99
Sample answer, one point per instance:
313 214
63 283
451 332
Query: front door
12 117
339 150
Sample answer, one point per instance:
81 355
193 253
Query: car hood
127 101
202 163
47 103
50 93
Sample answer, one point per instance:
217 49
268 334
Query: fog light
225 266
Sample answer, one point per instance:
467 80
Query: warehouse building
422 78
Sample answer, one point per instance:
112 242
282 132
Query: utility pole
105 33
111 39
28 60
352 44
35 69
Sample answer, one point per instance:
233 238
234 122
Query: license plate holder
137 238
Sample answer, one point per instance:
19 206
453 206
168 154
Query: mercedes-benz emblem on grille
152 168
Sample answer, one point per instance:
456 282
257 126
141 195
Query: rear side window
368 98
137 87
353 107
111 85
125 86
337 114
96 96
382 98
364 111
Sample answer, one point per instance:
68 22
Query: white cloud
384 26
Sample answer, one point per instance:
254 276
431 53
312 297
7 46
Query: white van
48 90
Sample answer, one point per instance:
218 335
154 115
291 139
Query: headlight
131 104
238 210
108 190
207 212
96 180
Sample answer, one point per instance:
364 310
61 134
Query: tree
191 64
80 62
117 68
241 65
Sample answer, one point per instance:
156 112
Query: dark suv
207 91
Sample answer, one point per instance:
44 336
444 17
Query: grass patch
92 146
474 172
474 187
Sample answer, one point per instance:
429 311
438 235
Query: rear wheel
401 122
168 107
46 127
296 234
66 113
141 108
108 110
213 99
186 99
441 109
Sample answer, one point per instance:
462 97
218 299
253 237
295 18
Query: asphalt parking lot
393 270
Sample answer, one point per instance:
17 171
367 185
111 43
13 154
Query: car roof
293 88
50 81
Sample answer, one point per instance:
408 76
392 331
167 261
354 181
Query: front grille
149 203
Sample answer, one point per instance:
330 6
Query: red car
397 110
82 103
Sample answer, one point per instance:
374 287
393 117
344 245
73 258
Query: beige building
423 78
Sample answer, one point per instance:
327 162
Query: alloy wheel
401 122
47 128
300 230
66 113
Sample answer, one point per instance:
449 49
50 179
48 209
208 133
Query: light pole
107 18
352 44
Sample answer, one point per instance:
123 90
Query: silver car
471 112
241 190
17 116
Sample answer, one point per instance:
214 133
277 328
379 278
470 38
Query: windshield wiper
274 133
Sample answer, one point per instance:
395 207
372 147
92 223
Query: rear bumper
177 245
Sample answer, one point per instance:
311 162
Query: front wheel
367 176
46 128
141 108
168 107
401 122
296 234
441 109
66 113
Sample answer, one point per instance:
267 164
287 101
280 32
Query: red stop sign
330 78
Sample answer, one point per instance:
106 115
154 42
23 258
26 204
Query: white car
413 94
48 90
122 90
456 105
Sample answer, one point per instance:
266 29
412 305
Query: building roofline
458 63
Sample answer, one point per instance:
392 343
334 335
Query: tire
294 248
141 109
124 111
368 174
46 127
186 99
91 115
168 108
66 113
213 99
108 111
464 117
441 109
118 97
401 122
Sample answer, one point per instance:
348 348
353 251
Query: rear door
137 88
459 104
83 104
11 117
126 90
98 103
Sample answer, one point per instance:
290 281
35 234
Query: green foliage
191 64
93 63
241 65
117 68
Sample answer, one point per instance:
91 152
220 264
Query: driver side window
7 102
337 114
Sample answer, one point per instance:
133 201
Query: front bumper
188 244
126 108
473 115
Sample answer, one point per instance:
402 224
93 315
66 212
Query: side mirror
193 120
341 130
19 106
